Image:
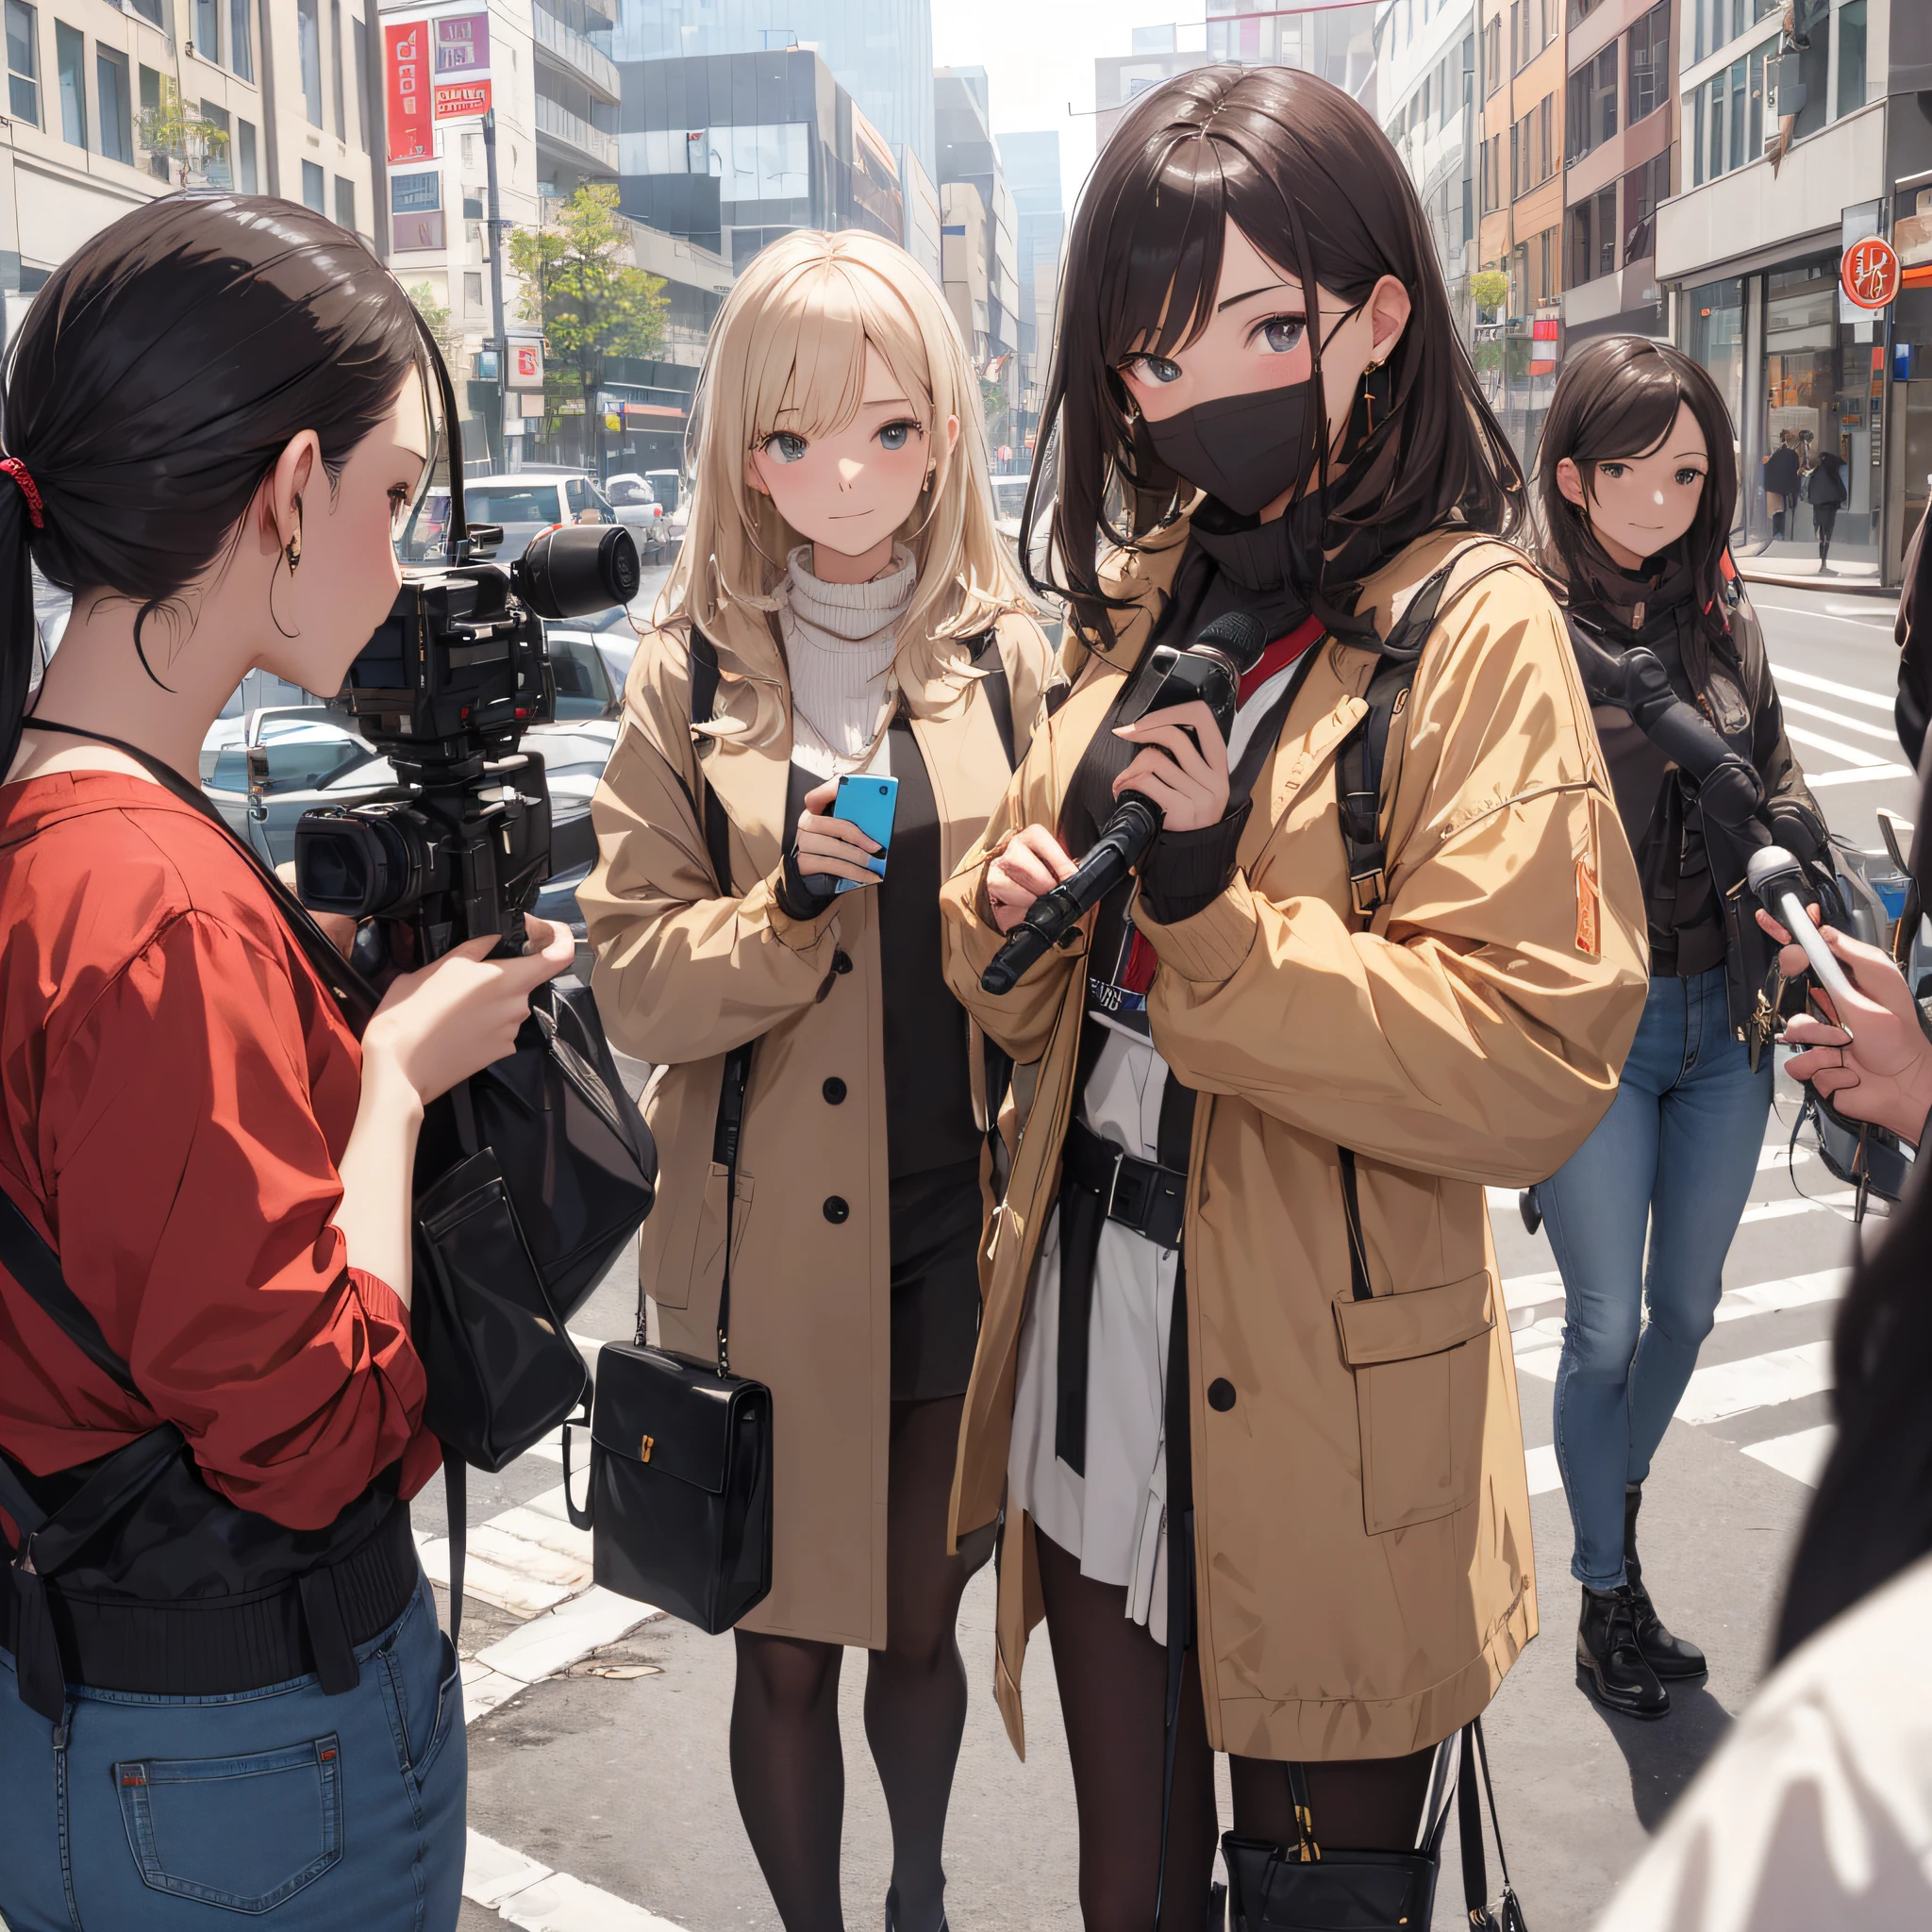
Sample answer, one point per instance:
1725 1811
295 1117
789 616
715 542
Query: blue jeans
279 1807
1675 1154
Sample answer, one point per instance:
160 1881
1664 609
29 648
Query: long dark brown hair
1619 397
161 372
1309 179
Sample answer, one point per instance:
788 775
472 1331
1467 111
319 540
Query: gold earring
294 552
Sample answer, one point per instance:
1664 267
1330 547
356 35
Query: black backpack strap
1365 750
37 1268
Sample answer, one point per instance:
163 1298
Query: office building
980 252
1159 53
1522 79
1620 151
1426 83
729 151
1032 162
1797 146
111 106
879 51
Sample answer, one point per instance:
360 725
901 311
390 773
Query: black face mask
1243 450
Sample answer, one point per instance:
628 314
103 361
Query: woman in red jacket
222 1684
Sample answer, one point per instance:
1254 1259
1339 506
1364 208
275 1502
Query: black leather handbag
531 1176
1315 1887
679 1504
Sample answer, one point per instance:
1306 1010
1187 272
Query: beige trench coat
1364 1573
682 975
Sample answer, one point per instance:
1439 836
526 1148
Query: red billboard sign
406 46
461 100
1868 272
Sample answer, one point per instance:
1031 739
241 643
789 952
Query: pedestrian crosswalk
1858 761
1720 1393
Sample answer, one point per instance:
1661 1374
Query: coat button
834 1091
842 961
1221 1394
836 1211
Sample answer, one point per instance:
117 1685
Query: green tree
168 130
1490 288
448 340
591 302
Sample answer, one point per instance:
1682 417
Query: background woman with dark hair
1638 488
1825 490
223 1689
1242 1367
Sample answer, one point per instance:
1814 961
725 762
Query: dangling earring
1369 396
293 551
931 470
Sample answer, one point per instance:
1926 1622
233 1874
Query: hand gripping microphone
1208 670
1777 882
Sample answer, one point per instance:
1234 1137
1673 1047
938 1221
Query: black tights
787 1766
1113 1693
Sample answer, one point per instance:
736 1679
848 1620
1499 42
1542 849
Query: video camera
445 689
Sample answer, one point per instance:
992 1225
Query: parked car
314 757
522 503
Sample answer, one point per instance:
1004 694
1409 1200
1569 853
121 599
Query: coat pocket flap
680 1418
1423 1321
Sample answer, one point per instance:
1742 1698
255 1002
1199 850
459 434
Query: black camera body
445 689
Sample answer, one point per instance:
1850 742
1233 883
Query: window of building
472 292
1851 57
1738 78
111 105
23 64
1644 190
240 39
150 11
1515 159
1545 162
1547 265
311 187
359 36
70 68
335 65
346 203
220 166
1492 55
308 37
1814 67
1649 81
1591 99
150 107
207 30
247 174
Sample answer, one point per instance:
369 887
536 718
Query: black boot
1672 1658
1609 1663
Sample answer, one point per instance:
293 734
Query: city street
600 1793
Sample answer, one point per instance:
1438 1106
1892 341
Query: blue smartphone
868 802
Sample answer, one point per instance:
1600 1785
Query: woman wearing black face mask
1243 1381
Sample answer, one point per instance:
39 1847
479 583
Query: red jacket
176 1090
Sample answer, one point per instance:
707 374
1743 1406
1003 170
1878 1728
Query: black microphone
1208 670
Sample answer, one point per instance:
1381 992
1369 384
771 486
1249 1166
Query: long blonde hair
788 351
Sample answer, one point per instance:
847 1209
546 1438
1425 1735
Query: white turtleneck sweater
838 646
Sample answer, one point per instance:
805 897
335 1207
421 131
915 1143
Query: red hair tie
36 510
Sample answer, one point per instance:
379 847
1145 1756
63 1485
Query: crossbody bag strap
354 994
737 1075
37 1268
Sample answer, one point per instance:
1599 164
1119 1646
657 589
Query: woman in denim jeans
1638 483
223 1695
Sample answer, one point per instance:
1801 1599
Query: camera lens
575 571
359 863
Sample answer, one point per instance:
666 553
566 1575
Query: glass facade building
879 51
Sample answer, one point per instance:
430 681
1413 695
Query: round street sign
1868 272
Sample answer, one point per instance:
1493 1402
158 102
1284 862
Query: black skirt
936 1221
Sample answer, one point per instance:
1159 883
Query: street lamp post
499 340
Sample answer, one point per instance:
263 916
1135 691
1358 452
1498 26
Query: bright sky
1038 54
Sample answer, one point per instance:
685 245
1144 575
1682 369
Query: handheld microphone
1208 670
1777 882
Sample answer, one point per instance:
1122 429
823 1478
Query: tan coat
682 977
1364 1573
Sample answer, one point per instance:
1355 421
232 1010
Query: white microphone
1778 881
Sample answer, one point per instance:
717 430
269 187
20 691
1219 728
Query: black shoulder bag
680 1504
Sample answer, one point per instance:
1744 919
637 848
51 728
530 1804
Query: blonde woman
843 567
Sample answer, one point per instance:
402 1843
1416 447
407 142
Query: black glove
1731 794
801 897
1797 831
1184 872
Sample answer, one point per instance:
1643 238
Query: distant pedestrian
1826 492
1781 472
1638 487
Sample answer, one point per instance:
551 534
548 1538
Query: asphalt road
617 1785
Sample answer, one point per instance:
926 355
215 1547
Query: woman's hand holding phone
829 847
1883 1073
